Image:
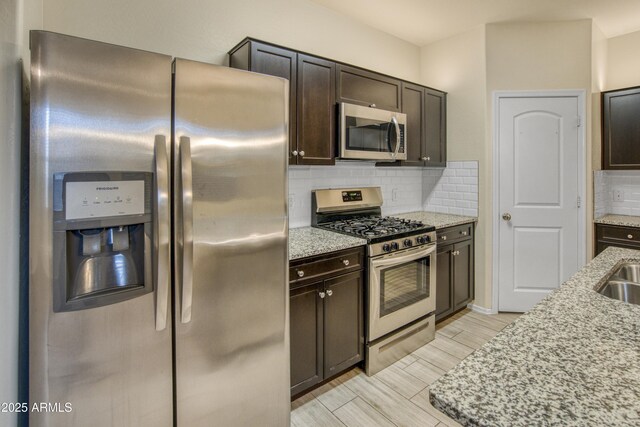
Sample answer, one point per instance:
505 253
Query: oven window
403 285
369 135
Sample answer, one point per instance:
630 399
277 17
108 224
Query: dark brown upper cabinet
426 127
435 128
361 87
312 107
621 129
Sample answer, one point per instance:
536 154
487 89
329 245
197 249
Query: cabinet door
279 62
362 87
435 128
316 111
413 105
621 129
343 323
306 319
462 274
444 278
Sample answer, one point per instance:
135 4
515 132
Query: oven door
401 289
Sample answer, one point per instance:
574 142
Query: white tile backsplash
415 188
607 183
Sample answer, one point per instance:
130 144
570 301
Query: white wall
457 65
623 61
206 29
10 92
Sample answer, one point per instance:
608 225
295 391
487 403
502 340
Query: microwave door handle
397 126
161 231
187 230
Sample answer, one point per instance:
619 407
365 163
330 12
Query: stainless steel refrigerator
158 240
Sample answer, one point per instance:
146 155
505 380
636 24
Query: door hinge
579 201
579 121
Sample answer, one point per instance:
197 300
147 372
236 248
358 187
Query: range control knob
395 246
427 239
386 247
420 240
408 243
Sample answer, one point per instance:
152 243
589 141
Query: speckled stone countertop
624 220
573 360
440 220
309 241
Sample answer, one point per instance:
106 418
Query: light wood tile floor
399 395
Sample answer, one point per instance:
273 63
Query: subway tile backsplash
616 192
404 189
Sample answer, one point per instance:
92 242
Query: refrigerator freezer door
232 345
96 107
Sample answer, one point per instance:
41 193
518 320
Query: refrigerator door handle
187 229
161 231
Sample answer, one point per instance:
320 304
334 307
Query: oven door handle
408 255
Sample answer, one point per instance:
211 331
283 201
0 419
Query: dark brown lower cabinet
618 236
455 270
326 318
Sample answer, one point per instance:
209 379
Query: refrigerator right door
230 223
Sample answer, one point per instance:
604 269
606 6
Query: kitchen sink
628 273
624 284
623 291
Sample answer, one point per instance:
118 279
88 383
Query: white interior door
538 143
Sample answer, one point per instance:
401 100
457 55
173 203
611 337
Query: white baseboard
481 310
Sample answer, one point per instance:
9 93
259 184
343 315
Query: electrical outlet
618 195
394 194
292 200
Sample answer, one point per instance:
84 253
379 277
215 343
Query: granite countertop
624 220
573 360
440 220
309 241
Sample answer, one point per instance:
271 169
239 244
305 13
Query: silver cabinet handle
187 229
372 105
161 229
444 237
397 126
424 159
329 292
345 261
629 236
506 216
302 153
464 233
294 153
321 294
428 159
300 273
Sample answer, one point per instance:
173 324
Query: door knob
506 216
302 153
321 294
329 292
294 153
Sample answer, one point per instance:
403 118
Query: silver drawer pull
321 294
629 236
345 261
444 237
464 233
329 292
300 273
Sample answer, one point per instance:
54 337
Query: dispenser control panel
97 199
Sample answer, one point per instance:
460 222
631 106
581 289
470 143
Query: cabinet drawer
329 265
454 234
619 234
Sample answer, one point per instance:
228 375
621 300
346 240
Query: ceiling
424 21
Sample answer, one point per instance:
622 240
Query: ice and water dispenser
102 237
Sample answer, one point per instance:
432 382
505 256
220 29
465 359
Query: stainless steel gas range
401 275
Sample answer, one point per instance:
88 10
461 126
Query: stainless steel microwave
372 134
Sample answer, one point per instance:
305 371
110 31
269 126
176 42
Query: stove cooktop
376 228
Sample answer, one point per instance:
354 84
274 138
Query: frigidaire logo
107 188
